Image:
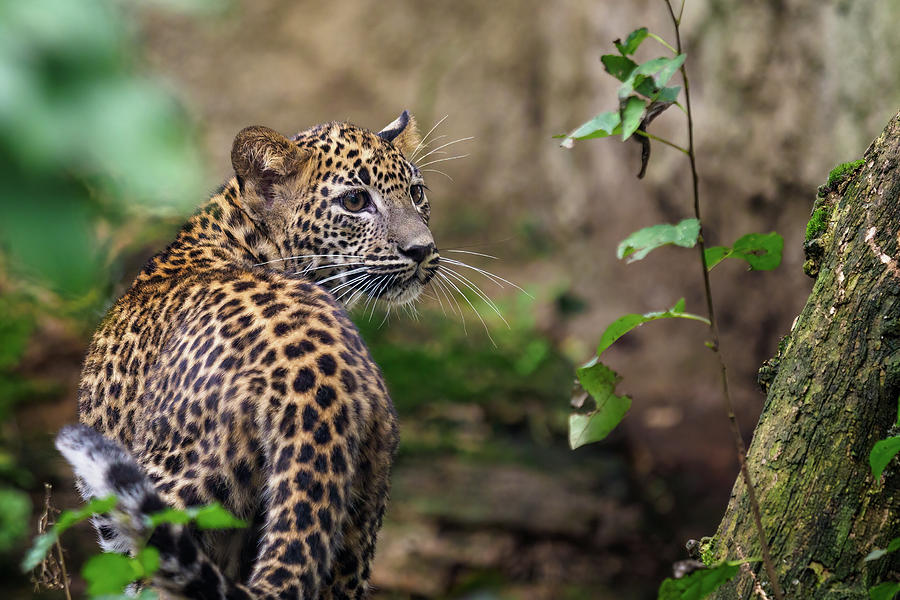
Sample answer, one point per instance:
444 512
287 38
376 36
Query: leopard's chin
404 295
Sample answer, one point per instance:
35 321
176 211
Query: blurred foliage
438 365
700 583
86 140
107 573
88 145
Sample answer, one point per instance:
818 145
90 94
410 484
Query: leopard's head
344 206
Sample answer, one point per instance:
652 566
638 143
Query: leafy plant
642 95
108 574
700 583
84 148
88 143
67 519
885 591
882 453
640 243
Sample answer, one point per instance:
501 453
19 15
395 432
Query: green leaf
700 583
664 74
885 591
45 541
626 323
666 94
892 546
653 66
215 516
762 251
631 116
882 453
619 67
212 516
109 573
640 243
715 255
603 125
148 558
632 42
649 77
600 382
171 515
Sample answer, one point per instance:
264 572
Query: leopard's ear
263 158
403 133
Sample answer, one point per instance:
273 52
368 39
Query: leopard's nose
418 252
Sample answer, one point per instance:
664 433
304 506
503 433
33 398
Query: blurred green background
116 120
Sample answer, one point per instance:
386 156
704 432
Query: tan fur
232 376
409 139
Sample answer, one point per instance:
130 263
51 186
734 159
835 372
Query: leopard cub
230 372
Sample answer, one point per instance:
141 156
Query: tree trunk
832 393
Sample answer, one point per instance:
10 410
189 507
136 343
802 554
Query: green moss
817 223
822 573
842 170
708 547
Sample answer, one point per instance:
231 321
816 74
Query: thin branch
663 42
714 330
649 135
62 569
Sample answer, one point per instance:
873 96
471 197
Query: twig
662 41
745 567
649 135
714 330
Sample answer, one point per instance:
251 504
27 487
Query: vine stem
649 135
714 327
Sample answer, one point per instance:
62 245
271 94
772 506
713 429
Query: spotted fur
228 373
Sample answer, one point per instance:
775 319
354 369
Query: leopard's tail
104 468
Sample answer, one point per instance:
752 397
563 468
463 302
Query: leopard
230 371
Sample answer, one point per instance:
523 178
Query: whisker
495 278
416 149
436 171
470 252
306 256
469 284
373 296
386 315
458 308
442 289
437 160
346 274
366 291
331 266
349 290
378 292
424 146
469 302
356 279
465 139
438 298
354 298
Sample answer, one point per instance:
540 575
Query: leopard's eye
356 201
417 192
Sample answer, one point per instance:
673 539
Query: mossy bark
833 395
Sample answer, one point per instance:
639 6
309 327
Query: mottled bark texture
832 393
